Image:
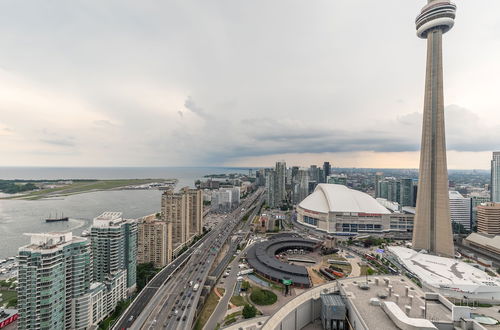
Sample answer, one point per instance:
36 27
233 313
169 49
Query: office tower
406 192
314 173
114 247
326 170
154 241
432 230
495 177
488 218
460 212
294 173
55 273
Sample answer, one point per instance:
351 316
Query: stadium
339 210
262 258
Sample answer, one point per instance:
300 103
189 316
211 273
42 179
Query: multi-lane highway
169 301
180 296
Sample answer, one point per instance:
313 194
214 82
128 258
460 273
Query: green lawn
238 300
208 309
9 298
263 297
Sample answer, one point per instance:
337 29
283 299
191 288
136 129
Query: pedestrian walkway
354 262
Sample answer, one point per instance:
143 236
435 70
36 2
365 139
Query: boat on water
57 219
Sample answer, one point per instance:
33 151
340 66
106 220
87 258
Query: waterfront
21 216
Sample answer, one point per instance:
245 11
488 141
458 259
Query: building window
311 221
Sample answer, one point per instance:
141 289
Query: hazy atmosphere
239 83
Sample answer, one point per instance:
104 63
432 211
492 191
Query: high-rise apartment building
154 241
378 177
406 192
488 218
184 211
271 189
460 211
276 185
280 181
301 186
55 274
226 199
173 207
495 177
195 208
114 247
432 230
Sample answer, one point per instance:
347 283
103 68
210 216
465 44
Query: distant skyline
227 83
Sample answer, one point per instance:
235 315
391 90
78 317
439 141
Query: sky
239 83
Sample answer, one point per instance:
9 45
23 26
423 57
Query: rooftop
378 307
491 241
108 219
438 271
47 242
375 317
338 198
455 195
261 257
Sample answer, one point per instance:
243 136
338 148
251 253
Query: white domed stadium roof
338 198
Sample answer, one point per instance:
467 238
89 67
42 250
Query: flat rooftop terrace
374 316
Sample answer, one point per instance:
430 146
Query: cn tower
432 226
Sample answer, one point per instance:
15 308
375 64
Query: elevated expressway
169 300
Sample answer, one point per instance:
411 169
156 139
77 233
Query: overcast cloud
169 83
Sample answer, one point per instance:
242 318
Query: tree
249 311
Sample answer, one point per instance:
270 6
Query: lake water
20 216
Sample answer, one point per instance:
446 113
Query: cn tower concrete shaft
432 227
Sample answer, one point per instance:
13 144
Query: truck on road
196 286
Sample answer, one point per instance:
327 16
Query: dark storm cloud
196 82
